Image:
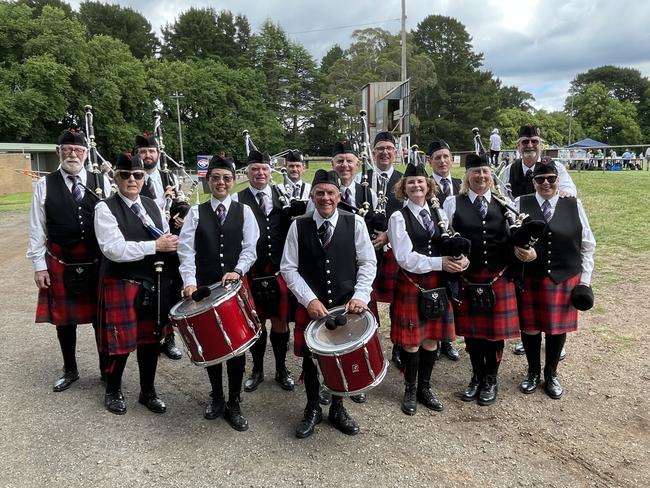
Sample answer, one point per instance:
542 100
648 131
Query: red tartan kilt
57 306
288 302
546 306
302 321
120 329
385 283
501 323
407 328
266 310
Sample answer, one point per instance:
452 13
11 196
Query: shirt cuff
307 299
150 247
364 297
40 264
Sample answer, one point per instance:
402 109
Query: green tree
122 23
513 97
624 84
15 31
37 6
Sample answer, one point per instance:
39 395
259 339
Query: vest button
550 233
548 271
269 246
221 244
327 271
549 261
484 252
220 255
329 282
485 262
549 251
268 228
329 292
329 301
484 242
483 222
327 261
484 232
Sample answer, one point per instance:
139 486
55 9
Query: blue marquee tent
588 143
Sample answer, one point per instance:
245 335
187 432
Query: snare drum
350 357
219 327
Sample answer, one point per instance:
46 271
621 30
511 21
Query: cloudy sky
538 46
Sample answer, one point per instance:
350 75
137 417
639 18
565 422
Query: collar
129 202
319 219
525 168
416 209
82 175
439 178
266 191
214 202
553 200
389 172
472 195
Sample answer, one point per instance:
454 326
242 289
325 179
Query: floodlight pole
403 41
178 96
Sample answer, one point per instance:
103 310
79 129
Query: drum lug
190 329
243 308
340 367
367 356
223 331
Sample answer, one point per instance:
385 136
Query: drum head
189 308
358 330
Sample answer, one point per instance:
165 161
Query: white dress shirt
402 245
156 181
365 254
36 245
566 183
352 187
187 251
449 207
303 192
439 179
268 200
588 243
111 240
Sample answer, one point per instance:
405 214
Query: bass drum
350 357
219 327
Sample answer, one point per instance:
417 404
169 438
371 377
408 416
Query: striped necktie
445 186
77 192
325 233
481 205
152 229
546 210
261 201
428 223
221 213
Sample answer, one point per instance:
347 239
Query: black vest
273 230
393 204
217 247
166 179
558 250
455 188
330 273
422 244
132 230
490 247
66 222
519 184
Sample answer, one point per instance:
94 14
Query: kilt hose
500 323
385 282
120 329
546 306
407 327
55 304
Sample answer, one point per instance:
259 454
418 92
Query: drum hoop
363 340
173 314
240 350
380 377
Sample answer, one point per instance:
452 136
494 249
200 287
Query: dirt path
597 435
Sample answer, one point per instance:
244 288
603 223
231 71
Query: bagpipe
94 156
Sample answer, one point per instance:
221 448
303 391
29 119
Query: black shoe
215 408
152 402
284 379
426 397
489 390
530 382
519 349
324 396
253 381
471 392
340 419
553 387
409 403
360 398
66 380
562 353
232 414
449 350
114 402
307 425
396 356
169 348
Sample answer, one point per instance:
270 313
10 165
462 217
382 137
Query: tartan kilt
265 309
407 328
385 282
120 330
288 302
302 319
55 304
501 323
546 306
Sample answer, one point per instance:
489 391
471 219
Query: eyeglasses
225 179
125 175
525 142
72 149
541 179
385 149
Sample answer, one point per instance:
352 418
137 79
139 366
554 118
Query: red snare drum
349 357
218 327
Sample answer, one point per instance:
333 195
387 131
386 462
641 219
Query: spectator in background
495 147
599 158
647 158
627 159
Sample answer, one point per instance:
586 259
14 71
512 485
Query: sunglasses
541 179
125 175
534 142
225 179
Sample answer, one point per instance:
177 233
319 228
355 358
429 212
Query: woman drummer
557 283
487 312
415 238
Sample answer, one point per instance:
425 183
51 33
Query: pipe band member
218 244
322 272
487 313
558 283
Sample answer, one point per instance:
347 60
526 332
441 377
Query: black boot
424 394
313 416
478 370
493 352
532 345
409 402
279 343
257 352
489 390
554 345
233 414
340 418
170 349
410 361
114 399
217 404
67 335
